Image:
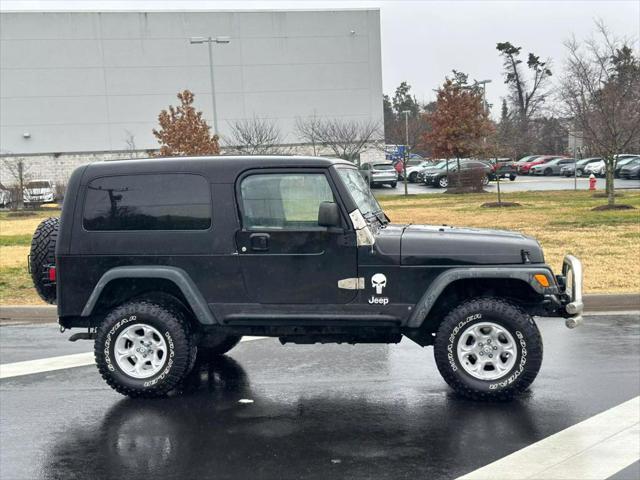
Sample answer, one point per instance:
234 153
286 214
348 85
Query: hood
433 245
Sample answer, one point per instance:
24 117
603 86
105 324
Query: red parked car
523 168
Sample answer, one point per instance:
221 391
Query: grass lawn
608 243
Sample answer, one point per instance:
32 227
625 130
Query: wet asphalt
317 412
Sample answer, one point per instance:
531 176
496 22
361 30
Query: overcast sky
422 40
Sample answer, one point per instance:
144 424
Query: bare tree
308 130
526 94
130 142
345 138
20 172
256 136
600 92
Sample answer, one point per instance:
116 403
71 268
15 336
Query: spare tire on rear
42 256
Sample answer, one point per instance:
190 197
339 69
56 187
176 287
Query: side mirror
329 215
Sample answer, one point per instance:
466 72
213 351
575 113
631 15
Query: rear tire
443 182
548 172
393 184
146 328
413 176
488 326
512 177
43 255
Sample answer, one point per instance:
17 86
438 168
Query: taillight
52 273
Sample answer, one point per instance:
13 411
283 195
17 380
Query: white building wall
78 82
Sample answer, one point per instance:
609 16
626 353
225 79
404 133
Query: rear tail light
52 273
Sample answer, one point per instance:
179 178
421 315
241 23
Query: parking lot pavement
520 184
321 411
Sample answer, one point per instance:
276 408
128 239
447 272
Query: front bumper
572 297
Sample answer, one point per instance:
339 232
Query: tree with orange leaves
460 123
184 132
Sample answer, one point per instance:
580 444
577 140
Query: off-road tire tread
43 254
498 305
181 332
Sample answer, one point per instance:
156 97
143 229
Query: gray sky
423 40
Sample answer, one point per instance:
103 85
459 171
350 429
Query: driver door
285 256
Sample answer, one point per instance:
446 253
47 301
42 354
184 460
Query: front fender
431 295
176 275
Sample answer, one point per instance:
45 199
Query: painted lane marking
594 449
42 365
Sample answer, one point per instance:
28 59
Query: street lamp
406 149
210 41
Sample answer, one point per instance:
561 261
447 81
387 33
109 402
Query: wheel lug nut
481 353
489 341
490 356
495 348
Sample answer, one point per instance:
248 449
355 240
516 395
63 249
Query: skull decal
378 281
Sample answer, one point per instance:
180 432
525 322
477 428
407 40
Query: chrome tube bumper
572 272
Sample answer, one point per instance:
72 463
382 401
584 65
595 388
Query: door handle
259 242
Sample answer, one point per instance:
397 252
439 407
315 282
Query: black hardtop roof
219 168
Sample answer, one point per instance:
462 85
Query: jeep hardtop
166 259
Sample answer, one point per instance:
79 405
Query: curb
610 303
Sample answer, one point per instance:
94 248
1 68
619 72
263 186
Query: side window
283 201
148 202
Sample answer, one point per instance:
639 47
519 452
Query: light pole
210 41
406 150
484 91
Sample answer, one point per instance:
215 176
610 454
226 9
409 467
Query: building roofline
187 10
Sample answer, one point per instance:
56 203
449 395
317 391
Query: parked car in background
5 196
631 169
569 169
439 177
414 169
39 191
525 167
528 158
420 178
552 167
503 168
597 168
622 162
379 173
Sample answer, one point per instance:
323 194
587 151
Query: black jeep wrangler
167 259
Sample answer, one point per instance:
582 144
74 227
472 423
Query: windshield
441 164
359 191
38 185
383 166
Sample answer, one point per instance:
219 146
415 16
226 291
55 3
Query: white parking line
594 449
42 365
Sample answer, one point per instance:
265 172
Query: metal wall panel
88 81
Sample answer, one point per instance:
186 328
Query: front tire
144 348
488 349
443 182
393 184
413 176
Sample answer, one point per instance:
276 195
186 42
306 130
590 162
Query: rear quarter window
148 202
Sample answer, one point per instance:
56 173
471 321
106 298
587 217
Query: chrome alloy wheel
486 351
140 351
